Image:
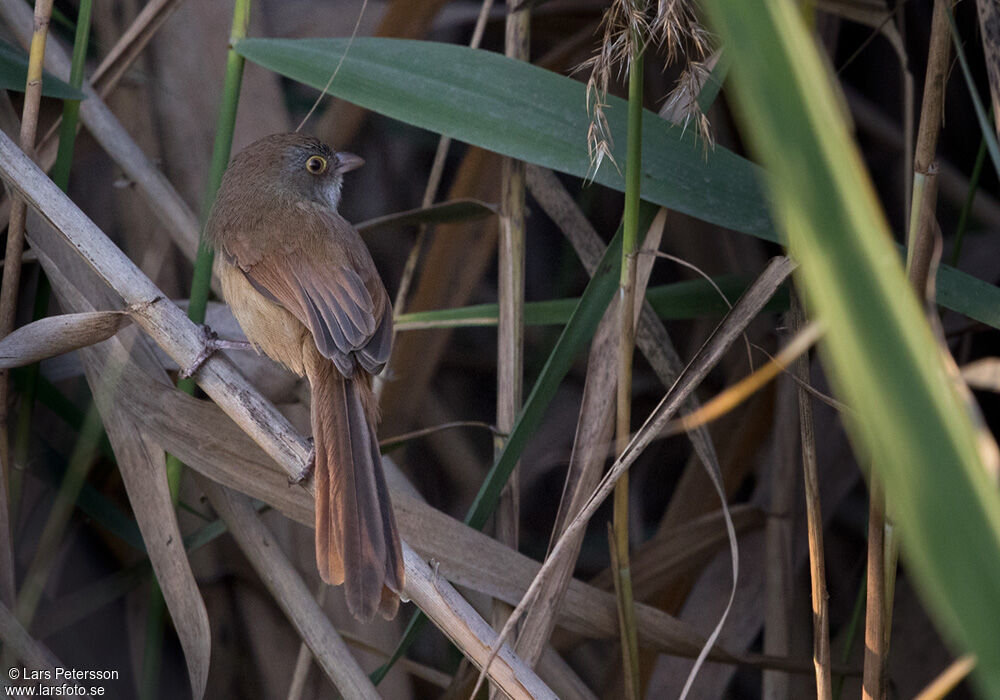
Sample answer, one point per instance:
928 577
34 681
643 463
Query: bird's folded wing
349 317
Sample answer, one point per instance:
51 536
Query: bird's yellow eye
316 165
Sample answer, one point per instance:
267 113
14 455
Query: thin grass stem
510 328
814 523
626 347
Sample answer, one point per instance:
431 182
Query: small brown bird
303 286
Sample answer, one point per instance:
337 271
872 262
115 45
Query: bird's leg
211 342
308 468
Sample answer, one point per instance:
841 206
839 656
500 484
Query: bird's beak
346 162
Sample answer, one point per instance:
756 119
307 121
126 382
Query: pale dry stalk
874 681
881 569
814 522
510 327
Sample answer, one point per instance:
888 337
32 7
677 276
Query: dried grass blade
56 335
814 523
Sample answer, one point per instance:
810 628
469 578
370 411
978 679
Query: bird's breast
267 325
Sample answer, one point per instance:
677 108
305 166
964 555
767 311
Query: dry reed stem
924 246
932 107
303 661
874 682
953 183
814 522
920 246
510 321
173 331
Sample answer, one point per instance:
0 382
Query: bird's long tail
357 542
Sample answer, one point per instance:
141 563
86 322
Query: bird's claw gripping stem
211 343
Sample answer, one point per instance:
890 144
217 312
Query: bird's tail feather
357 542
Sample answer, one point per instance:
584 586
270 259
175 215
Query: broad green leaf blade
14 75
878 349
522 111
538 116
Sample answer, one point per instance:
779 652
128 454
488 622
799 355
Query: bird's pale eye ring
316 165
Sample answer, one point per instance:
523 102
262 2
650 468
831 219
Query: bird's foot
307 469
211 342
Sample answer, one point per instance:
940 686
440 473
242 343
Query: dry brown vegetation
92 526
